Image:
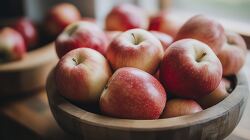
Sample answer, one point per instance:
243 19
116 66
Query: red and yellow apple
59 17
133 94
126 16
163 23
180 107
190 69
12 45
233 54
28 30
135 48
81 34
205 30
165 39
82 74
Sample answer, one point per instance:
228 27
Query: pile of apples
130 69
17 39
24 35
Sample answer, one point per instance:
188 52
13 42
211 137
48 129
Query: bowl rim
82 116
34 58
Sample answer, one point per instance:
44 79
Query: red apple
165 39
135 48
12 46
126 16
61 16
82 74
133 94
163 23
203 29
180 107
81 34
233 54
190 69
28 30
214 97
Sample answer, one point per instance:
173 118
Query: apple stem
74 61
199 58
72 30
134 38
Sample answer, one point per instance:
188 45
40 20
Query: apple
135 48
59 17
214 97
12 46
82 74
126 16
180 107
165 39
163 23
190 69
28 30
205 30
81 34
133 94
233 54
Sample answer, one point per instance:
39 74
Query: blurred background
36 9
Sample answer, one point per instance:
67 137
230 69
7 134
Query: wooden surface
28 74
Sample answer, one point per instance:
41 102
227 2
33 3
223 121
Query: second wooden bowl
214 123
28 74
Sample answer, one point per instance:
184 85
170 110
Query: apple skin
28 31
180 107
126 16
12 46
165 39
190 69
133 94
205 30
82 74
163 23
157 74
233 54
214 97
59 17
81 34
135 48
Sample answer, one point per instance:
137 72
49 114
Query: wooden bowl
214 123
29 73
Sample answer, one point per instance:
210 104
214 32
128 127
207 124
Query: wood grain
213 123
28 74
